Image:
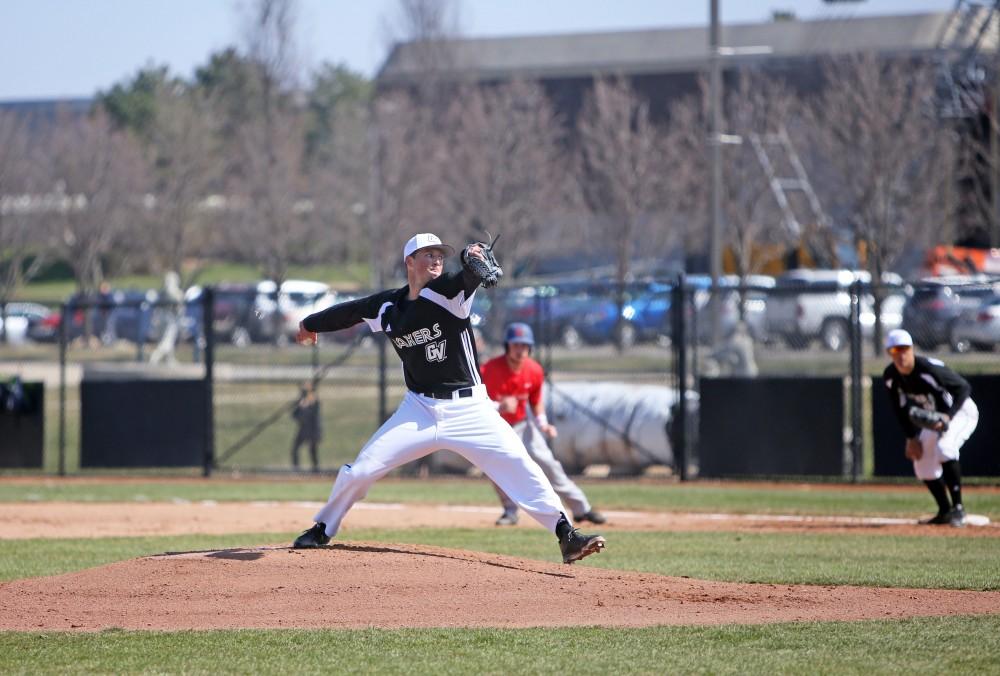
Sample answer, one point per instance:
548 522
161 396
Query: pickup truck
808 305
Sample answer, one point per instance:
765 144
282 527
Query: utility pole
994 131
373 220
715 160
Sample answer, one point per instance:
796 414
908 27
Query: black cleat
593 516
312 538
956 517
575 545
939 519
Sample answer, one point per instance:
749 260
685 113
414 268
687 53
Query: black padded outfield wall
980 455
22 425
142 423
771 427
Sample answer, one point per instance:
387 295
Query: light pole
716 138
374 223
715 160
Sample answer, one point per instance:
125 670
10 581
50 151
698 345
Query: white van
299 298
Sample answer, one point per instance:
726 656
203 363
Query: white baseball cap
422 241
898 338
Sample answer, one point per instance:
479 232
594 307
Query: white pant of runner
538 449
939 448
468 426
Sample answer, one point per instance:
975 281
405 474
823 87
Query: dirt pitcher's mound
363 585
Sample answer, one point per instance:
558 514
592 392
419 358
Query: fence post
207 320
62 389
856 376
677 306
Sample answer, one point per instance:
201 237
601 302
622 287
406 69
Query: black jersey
930 385
432 335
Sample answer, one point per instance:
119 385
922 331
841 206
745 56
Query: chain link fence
637 343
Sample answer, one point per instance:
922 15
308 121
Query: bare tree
269 200
270 213
686 220
758 108
184 156
506 170
975 211
96 179
338 163
22 253
622 176
407 158
427 29
876 126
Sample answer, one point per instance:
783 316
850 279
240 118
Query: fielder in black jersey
929 384
446 405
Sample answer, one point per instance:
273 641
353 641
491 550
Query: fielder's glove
931 420
486 268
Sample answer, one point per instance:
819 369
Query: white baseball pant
939 448
468 426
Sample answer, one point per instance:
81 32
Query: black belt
462 393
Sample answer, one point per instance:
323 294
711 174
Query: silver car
978 329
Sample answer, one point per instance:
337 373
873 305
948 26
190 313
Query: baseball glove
487 268
931 420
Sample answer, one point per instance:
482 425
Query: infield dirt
350 585
356 585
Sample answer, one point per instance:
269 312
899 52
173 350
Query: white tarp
617 424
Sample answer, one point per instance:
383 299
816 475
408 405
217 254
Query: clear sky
73 48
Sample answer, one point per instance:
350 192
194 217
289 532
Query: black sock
937 489
951 473
562 526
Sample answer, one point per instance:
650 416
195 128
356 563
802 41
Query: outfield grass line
972 519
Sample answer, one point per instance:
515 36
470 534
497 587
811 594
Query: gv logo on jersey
436 351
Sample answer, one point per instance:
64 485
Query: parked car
933 305
808 305
552 309
647 314
84 312
18 318
143 316
753 291
240 315
978 329
298 299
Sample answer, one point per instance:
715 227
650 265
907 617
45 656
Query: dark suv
239 319
933 305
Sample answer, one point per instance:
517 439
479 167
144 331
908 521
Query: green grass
965 645
607 494
923 645
780 558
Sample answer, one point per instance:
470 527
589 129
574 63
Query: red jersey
525 384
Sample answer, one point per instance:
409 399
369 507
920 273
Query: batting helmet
518 333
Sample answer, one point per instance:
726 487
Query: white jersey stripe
470 357
460 306
376 324
945 394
